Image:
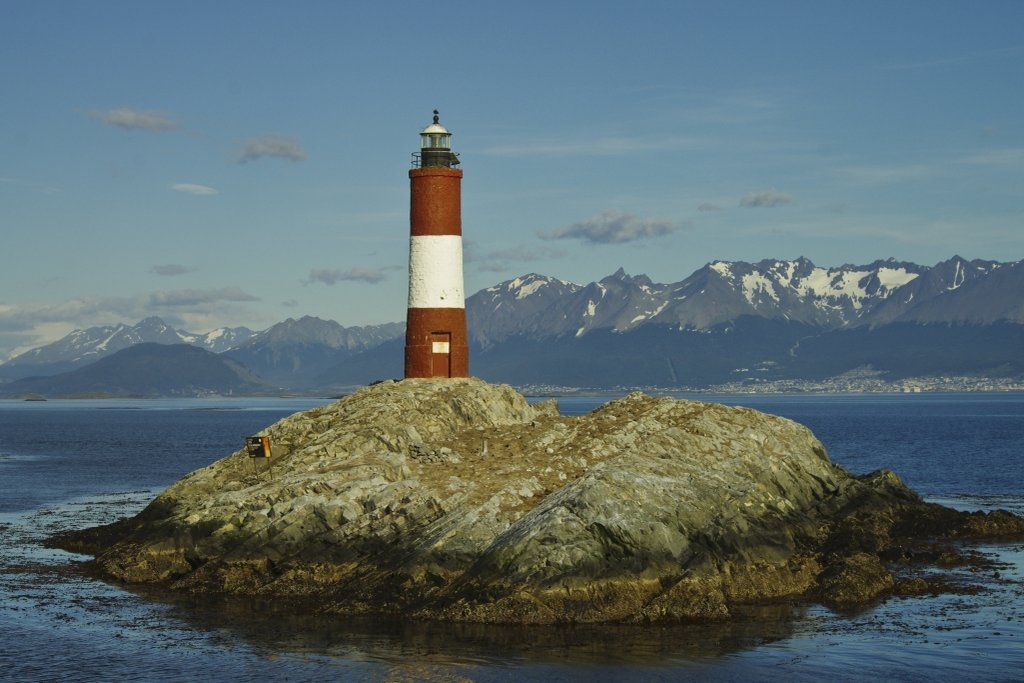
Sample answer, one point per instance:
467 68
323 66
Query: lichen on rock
457 499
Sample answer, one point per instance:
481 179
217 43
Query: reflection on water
58 619
269 627
47 581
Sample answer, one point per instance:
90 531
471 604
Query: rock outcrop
456 499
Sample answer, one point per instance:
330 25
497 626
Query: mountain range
955 291
83 347
726 322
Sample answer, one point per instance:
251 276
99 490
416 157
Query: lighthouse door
441 359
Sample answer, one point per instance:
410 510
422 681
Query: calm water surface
66 464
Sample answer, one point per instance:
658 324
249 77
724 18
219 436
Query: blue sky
239 163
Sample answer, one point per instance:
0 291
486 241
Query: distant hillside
147 370
385 361
295 353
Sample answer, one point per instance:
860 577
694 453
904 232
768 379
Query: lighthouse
435 330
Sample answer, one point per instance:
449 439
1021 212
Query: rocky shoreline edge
457 500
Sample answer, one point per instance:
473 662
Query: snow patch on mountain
851 284
650 314
757 283
723 268
818 283
102 346
891 278
527 290
958 278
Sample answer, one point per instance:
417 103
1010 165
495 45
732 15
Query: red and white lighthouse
435 331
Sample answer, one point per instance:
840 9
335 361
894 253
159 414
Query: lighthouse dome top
435 136
435 128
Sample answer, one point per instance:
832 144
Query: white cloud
171 269
500 260
330 277
130 118
766 198
193 297
604 146
612 227
29 185
885 175
708 206
272 146
999 53
190 188
1011 156
946 167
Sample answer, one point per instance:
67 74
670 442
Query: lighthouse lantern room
435 147
435 333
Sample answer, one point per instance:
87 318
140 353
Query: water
66 464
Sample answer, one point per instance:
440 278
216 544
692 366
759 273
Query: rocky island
456 499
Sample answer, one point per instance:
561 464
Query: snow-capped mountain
957 290
219 340
774 319
961 292
83 347
726 321
530 305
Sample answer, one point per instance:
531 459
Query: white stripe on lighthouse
435 272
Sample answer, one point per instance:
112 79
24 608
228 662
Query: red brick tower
435 332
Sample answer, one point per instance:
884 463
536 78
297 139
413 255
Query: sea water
72 464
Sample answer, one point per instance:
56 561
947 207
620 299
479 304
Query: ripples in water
58 620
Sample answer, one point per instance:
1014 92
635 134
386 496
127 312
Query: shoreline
781 388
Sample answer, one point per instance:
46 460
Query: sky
239 163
